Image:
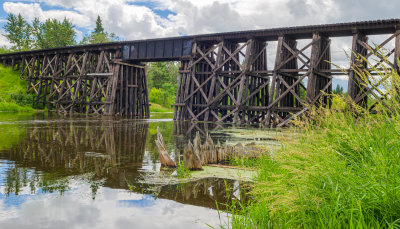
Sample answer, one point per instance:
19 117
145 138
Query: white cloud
3 39
112 209
32 10
200 16
79 34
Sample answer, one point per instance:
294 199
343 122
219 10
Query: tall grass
342 171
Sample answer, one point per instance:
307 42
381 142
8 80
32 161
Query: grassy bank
341 171
13 92
159 108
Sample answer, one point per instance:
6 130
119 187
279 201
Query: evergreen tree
338 90
99 26
18 32
99 35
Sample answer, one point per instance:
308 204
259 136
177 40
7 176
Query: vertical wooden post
312 79
355 87
397 51
281 99
319 82
113 89
246 67
278 60
13 63
146 96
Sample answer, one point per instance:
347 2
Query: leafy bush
164 96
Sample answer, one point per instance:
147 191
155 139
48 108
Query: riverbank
159 108
13 97
341 171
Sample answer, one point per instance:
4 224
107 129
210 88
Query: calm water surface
88 172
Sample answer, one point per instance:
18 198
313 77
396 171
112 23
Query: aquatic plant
182 171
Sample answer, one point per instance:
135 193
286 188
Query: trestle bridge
223 76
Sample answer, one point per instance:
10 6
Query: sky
141 19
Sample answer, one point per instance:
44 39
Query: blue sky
130 19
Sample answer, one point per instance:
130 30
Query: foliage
50 34
244 162
162 81
18 32
182 171
4 49
158 108
53 33
161 73
340 172
338 90
12 92
164 97
98 35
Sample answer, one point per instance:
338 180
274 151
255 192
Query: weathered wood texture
292 68
366 61
165 159
88 82
198 154
229 82
224 82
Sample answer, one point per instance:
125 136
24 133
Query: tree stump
165 159
192 158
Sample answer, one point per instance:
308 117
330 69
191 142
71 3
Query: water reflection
72 161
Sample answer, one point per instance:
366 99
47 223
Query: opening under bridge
223 76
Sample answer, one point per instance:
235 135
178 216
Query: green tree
18 32
4 49
162 82
53 33
161 73
99 26
338 90
99 35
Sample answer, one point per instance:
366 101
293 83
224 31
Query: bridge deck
176 48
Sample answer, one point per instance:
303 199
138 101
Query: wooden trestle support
230 81
360 84
226 82
87 82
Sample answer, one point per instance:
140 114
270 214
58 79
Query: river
90 172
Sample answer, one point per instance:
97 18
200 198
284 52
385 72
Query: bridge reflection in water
106 152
